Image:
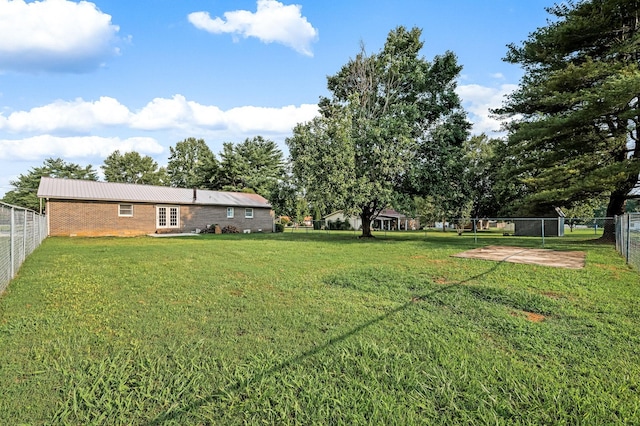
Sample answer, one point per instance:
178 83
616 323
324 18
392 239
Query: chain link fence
525 227
627 229
469 227
628 238
21 231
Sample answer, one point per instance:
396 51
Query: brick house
89 208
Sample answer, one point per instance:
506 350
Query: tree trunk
368 212
614 208
366 226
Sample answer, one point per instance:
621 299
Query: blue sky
79 80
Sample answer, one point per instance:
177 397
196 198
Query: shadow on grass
441 240
240 384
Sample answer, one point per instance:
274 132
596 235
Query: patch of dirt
544 257
533 317
530 316
440 280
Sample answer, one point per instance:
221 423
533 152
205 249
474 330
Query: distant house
392 220
388 219
90 208
338 217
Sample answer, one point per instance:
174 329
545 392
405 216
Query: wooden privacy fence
21 231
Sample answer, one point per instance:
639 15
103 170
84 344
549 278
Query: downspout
48 216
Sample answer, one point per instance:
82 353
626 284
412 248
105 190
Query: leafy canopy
368 149
254 165
574 129
131 167
192 165
25 194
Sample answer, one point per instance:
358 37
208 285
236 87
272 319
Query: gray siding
193 217
533 227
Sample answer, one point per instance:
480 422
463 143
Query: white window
168 217
125 210
229 212
248 213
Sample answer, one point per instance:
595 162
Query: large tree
25 194
574 133
482 164
131 167
192 165
255 165
369 148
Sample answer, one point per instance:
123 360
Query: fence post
618 233
628 248
24 236
542 232
12 242
475 233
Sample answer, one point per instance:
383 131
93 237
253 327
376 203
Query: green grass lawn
317 328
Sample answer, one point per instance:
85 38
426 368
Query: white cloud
182 116
272 22
269 120
176 113
54 35
65 117
42 146
479 100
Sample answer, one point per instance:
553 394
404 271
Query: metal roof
74 189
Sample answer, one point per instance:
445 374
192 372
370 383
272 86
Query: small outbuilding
89 208
553 225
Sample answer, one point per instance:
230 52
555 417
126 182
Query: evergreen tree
131 167
255 165
574 133
192 165
25 194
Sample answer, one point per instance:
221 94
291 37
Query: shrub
339 225
230 229
279 227
210 229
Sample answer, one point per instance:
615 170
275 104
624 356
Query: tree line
255 165
393 133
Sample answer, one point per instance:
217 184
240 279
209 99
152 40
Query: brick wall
94 218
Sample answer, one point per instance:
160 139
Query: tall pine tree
574 129
26 185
